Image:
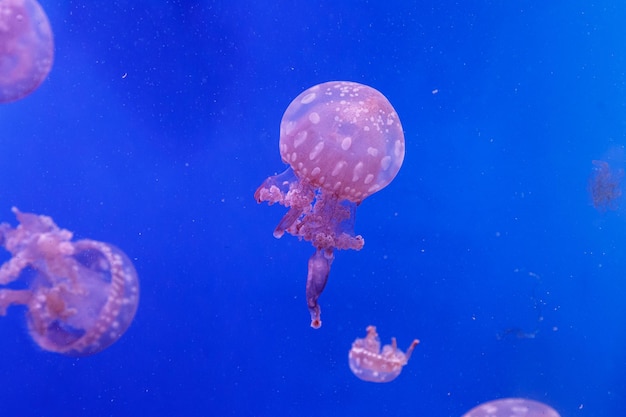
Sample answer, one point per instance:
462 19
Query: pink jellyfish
343 142
370 364
512 407
81 296
26 48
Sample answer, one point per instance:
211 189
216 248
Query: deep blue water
160 119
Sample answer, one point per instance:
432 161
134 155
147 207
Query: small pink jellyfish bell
343 137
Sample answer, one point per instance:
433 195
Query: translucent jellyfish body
343 142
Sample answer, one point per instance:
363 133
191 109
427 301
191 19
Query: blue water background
160 119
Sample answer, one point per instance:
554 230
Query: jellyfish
343 142
26 48
370 364
80 296
512 407
605 186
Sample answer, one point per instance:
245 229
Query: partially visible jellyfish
512 407
343 142
80 296
26 48
605 186
370 364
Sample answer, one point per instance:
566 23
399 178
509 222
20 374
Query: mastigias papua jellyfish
368 362
343 142
26 48
605 186
512 407
80 296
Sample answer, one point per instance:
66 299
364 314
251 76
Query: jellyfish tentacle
409 351
319 269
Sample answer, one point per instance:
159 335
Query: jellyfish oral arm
409 351
286 190
10 297
285 223
319 268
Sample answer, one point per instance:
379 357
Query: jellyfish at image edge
605 186
26 48
343 142
512 407
80 296
370 364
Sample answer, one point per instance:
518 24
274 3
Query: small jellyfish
80 296
369 363
512 407
605 186
26 48
343 142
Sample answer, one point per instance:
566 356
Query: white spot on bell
368 179
385 162
314 118
338 168
300 138
346 143
289 126
316 151
308 98
316 171
372 151
398 149
357 172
